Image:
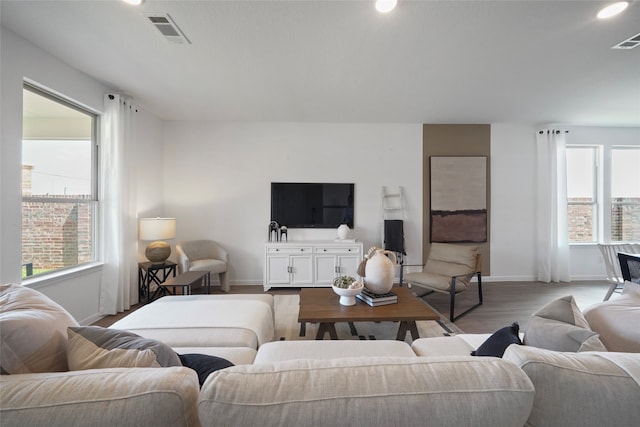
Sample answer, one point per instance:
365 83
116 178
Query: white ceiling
340 61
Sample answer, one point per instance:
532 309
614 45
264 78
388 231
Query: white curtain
552 228
118 204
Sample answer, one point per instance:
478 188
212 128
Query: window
59 184
603 200
625 194
582 196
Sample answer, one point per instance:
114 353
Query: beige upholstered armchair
449 269
204 255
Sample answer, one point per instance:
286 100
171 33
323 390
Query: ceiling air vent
168 28
629 43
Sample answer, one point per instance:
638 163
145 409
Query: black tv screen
312 205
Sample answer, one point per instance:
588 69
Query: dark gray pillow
497 343
203 364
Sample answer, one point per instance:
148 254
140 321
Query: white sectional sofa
433 382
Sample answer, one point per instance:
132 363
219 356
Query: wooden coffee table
320 305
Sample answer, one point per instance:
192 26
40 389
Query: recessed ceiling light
612 9
384 6
134 2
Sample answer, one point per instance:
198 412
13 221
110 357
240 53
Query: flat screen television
312 205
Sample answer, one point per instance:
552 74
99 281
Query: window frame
92 202
596 201
603 199
609 190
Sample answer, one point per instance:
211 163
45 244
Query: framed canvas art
458 199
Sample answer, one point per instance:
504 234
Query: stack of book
377 299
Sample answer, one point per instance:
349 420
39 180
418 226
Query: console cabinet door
347 265
325 266
334 261
277 270
301 270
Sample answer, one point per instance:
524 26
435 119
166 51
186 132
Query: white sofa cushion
278 351
618 320
141 397
456 345
445 346
33 331
368 391
580 389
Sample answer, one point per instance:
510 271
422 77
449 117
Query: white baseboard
91 319
509 279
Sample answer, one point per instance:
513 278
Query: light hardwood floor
504 302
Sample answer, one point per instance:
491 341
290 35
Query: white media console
310 263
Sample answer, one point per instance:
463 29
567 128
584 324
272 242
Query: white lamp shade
157 228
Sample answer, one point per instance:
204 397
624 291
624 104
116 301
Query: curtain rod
552 131
124 102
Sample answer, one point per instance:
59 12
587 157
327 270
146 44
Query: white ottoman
220 325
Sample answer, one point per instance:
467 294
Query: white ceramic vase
343 231
379 272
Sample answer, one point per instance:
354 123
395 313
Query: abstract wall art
458 199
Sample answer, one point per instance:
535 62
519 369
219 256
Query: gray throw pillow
93 347
560 326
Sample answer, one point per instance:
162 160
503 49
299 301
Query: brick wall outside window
625 222
56 235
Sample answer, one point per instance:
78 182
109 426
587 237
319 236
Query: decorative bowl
348 295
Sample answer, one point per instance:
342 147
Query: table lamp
157 230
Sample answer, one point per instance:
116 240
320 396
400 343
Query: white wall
513 181
22 60
217 180
513 187
150 176
217 185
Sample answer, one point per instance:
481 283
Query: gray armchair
204 255
449 269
